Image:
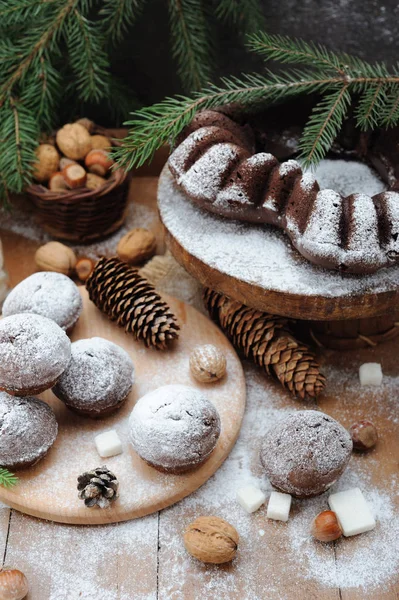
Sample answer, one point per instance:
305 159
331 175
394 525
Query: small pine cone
98 487
126 297
294 366
266 339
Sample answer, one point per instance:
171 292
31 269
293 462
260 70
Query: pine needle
7 479
339 79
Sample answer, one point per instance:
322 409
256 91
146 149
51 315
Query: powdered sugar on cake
28 429
33 350
259 255
174 426
51 295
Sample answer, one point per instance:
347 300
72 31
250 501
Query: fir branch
119 15
336 77
371 106
295 51
161 123
87 57
7 479
246 16
323 126
190 43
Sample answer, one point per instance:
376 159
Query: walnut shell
48 160
211 540
137 246
54 256
94 181
74 141
87 123
207 363
100 142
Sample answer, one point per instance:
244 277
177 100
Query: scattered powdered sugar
347 177
21 220
51 295
175 427
28 428
99 376
260 255
33 351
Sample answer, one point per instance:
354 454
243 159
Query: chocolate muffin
51 295
28 429
174 428
98 378
34 352
306 453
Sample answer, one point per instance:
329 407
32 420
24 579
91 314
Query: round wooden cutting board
257 265
48 490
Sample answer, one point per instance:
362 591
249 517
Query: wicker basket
82 215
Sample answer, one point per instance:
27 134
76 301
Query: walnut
211 540
137 246
94 181
54 256
87 124
47 162
100 142
207 363
74 141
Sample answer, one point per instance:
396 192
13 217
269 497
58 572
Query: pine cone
266 339
98 487
119 291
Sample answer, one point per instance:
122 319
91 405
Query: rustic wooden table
144 559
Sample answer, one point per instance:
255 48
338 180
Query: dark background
366 28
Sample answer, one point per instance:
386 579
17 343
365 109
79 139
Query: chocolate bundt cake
217 168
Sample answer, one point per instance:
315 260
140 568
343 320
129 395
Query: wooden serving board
257 265
48 490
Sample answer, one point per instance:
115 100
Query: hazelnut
207 363
137 246
87 124
94 181
47 162
98 162
64 162
325 527
100 142
74 141
364 435
83 268
211 540
74 175
54 256
57 182
13 584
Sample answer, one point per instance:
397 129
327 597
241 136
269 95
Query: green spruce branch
7 479
55 58
339 78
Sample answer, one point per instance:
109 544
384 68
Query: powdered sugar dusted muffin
28 429
174 428
306 453
51 295
98 378
34 352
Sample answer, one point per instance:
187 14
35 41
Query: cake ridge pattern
216 167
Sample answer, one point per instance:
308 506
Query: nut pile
73 159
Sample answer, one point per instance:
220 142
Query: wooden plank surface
274 562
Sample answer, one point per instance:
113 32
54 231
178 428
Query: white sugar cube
250 497
370 374
108 444
279 506
352 512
